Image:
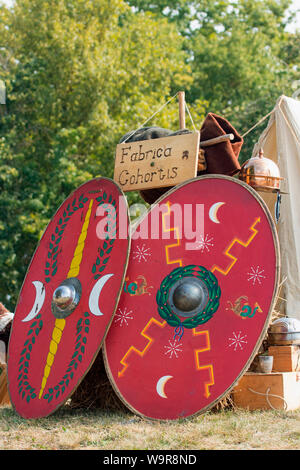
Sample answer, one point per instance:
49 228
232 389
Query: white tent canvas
280 142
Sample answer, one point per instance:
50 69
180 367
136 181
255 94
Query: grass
69 429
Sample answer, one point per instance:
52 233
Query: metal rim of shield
68 298
118 361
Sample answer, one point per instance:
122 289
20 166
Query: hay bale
226 403
95 390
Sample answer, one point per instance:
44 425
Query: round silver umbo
188 296
66 297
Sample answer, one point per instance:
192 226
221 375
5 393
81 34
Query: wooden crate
277 390
286 358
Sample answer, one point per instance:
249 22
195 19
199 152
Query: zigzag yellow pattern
211 380
137 351
208 367
173 229
153 320
61 322
240 242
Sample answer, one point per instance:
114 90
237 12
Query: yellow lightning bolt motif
137 351
240 242
176 231
61 322
208 367
153 320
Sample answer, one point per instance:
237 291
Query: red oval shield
68 298
201 282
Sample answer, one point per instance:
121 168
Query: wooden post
181 99
216 140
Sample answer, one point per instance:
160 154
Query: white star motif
173 348
204 243
141 253
122 316
256 275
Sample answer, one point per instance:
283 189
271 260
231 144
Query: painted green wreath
165 309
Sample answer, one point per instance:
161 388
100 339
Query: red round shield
68 298
199 289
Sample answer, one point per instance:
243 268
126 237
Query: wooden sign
193 310
156 163
68 298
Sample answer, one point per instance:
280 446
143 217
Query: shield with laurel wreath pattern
198 295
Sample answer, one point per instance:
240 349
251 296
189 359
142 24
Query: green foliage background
81 74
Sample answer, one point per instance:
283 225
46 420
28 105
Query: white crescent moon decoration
213 212
95 294
40 294
160 386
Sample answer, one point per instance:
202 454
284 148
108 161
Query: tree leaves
79 75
